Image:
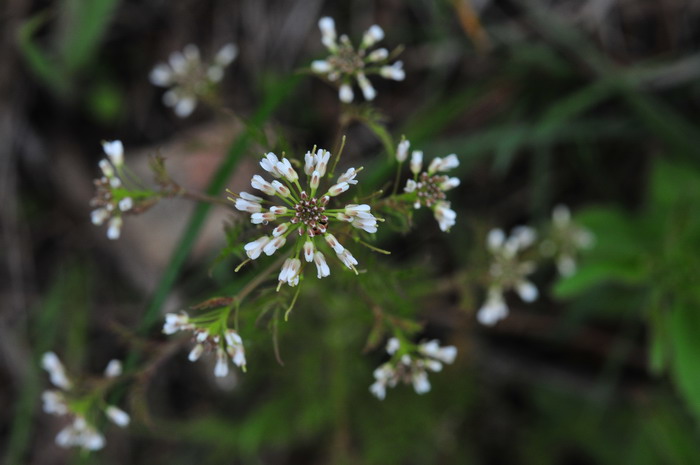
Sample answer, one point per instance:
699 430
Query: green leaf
685 329
87 21
595 274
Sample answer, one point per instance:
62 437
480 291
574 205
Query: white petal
185 106
346 94
527 291
118 416
113 369
161 75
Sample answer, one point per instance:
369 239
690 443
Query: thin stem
396 179
200 197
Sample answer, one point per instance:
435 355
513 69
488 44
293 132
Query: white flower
393 345
274 245
347 258
54 403
347 64
373 35
380 54
328 34
175 322
262 185
290 271
57 373
195 353
118 416
432 349
402 150
416 161
444 215
80 434
526 290
99 216
349 176
221 368
126 204
113 369
114 228
115 151
345 93
226 55
394 72
420 382
322 269
494 310
367 90
235 348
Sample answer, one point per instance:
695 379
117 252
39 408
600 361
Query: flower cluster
508 272
210 333
410 364
428 188
188 78
347 64
304 211
565 240
82 410
112 198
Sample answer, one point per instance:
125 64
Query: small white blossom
54 403
322 269
114 228
494 309
402 150
115 152
126 204
221 368
56 371
345 93
392 345
118 416
189 78
444 215
80 434
113 369
347 64
367 90
394 72
416 161
175 322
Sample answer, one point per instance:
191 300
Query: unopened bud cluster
83 408
410 365
188 78
347 64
